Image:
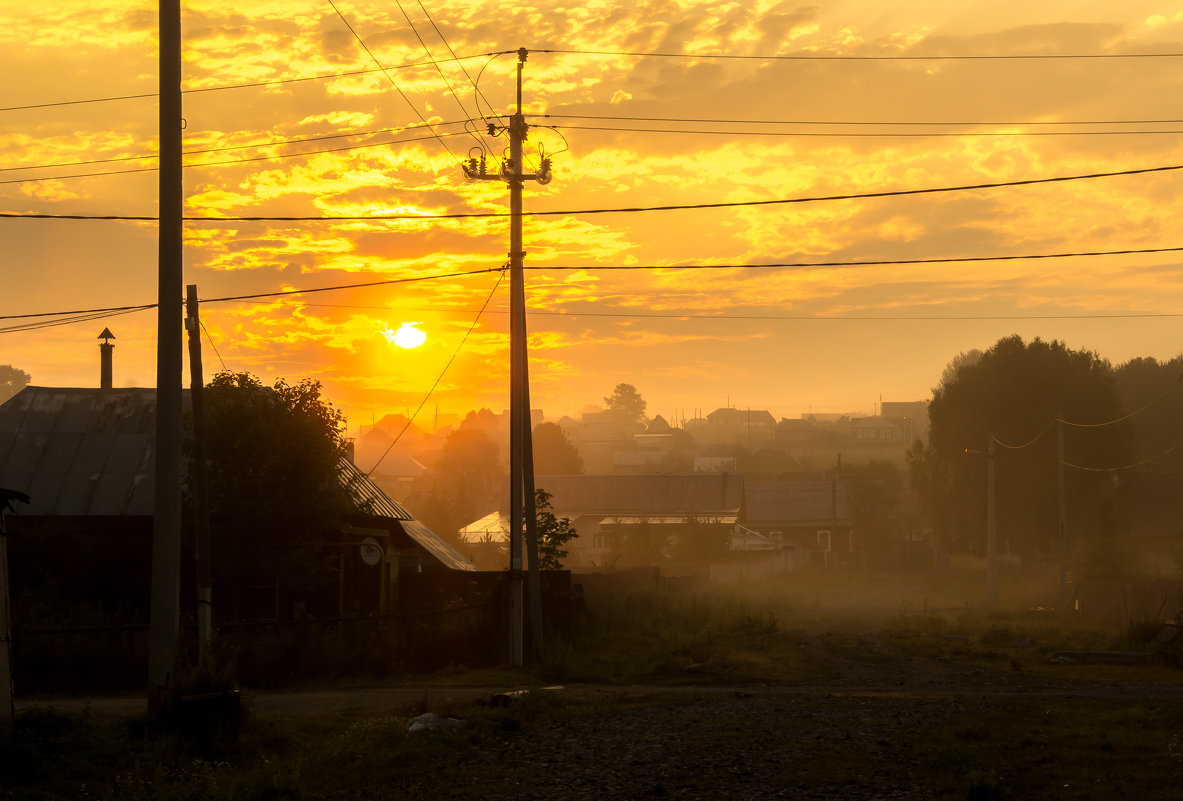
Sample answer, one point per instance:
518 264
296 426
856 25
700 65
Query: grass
790 632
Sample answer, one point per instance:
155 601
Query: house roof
788 502
734 417
91 452
80 451
654 494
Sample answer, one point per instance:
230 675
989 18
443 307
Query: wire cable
210 339
386 282
204 165
386 74
723 121
818 57
1123 418
621 210
251 146
501 274
275 82
480 142
1027 444
853 134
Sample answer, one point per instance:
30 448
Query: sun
407 336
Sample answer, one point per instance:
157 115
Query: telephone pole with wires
521 452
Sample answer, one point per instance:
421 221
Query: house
646 519
814 516
86 459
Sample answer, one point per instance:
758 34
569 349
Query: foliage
554 453
12 381
274 484
464 480
626 401
1013 393
553 533
877 492
1152 389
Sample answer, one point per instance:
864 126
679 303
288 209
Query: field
817 686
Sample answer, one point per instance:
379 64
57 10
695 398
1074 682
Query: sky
870 101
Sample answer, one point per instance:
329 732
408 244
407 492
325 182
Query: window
823 539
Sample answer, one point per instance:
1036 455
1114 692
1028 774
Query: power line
1114 421
251 146
440 377
869 263
275 82
622 210
819 57
386 74
111 311
852 134
204 164
721 121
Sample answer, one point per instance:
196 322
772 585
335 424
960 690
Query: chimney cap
106 334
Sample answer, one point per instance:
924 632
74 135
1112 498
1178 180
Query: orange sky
784 339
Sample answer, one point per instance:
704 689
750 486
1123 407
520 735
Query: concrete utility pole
991 528
165 618
521 488
201 545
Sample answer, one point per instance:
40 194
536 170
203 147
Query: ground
826 709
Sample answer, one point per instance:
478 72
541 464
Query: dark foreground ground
837 716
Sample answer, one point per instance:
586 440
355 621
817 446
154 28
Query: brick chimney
105 351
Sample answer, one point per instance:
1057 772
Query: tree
876 499
554 453
12 381
553 533
1014 392
464 480
274 479
626 401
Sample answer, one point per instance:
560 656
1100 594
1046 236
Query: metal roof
80 451
787 502
369 495
431 542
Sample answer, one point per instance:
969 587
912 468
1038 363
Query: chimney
105 349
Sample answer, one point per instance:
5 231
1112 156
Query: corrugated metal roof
431 542
79 451
91 452
369 495
768 502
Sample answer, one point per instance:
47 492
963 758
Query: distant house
86 459
815 516
643 519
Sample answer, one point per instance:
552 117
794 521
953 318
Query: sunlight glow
407 336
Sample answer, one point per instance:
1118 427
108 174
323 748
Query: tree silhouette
12 381
627 401
554 453
1015 391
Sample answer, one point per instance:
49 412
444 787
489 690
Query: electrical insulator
544 174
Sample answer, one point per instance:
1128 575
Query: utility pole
521 489
7 694
1062 532
201 531
991 528
165 618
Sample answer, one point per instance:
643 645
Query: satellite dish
370 551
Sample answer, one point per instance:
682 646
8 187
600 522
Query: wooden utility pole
521 460
991 528
7 695
1062 529
200 474
165 618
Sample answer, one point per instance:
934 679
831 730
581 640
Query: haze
786 339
